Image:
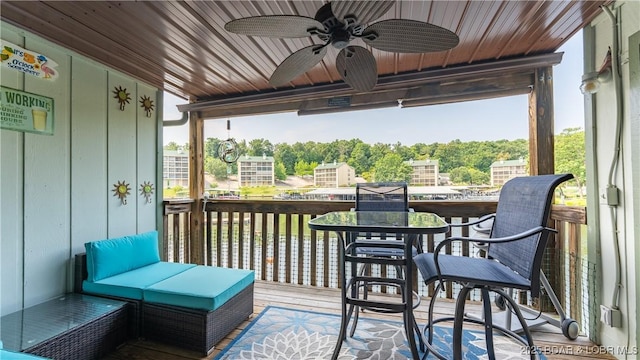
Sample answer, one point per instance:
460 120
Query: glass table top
383 221
27 328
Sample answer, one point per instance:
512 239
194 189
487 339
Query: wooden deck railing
272 238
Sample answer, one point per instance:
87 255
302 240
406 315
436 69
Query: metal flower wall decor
122 95
147 104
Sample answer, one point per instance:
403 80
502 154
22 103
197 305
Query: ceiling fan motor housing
340 38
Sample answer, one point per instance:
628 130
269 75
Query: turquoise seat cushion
10 355
110 257
131 283
201 287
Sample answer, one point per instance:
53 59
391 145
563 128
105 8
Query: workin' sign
23 111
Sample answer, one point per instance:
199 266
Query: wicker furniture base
194 329
134 309
73 327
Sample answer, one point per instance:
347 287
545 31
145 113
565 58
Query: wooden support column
541 123
196 188
541 162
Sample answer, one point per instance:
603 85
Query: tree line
466 162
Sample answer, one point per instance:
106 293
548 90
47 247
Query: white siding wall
601 132
11 196
57 191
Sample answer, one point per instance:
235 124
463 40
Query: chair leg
457 324
488 323
430 324
408 330
357 309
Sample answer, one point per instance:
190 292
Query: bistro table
408 225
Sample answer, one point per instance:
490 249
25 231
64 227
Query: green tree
280 171
460 175
359 159
570 154
450 155
259 147
378 151
284 154
216 167
304 168
464 175
479 177
392 168
173 146
211 147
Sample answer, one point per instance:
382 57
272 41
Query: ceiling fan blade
357 67
409 36
363 11
297 64
277 26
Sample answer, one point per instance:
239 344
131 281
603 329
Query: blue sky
494 119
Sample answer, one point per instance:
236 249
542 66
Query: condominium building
503 170
425 172
175 168
334 175
256 170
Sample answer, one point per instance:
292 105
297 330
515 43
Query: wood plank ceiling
183 48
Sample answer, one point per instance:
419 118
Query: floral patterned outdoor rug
279 333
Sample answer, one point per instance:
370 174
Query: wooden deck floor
547 337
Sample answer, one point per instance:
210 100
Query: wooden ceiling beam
496 75
428 94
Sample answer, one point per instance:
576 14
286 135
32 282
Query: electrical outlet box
610 317
612 195
609 196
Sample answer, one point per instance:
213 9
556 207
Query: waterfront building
425 172
503 170
256 170
175 168
333 175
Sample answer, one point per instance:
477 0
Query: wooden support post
541 123
541 153
196 187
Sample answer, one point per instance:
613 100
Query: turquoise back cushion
110 257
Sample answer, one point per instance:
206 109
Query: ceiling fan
338 23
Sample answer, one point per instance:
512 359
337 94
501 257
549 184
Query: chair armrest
520 236
474 222
516 237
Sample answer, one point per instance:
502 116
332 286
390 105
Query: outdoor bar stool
358 283
515 249
386 196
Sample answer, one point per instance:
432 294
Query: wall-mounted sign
26 61
23 111
339 101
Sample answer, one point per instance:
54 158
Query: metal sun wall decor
122 95
121 190
147 104
146 190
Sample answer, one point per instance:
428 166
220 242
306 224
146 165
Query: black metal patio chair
381 196
514 251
